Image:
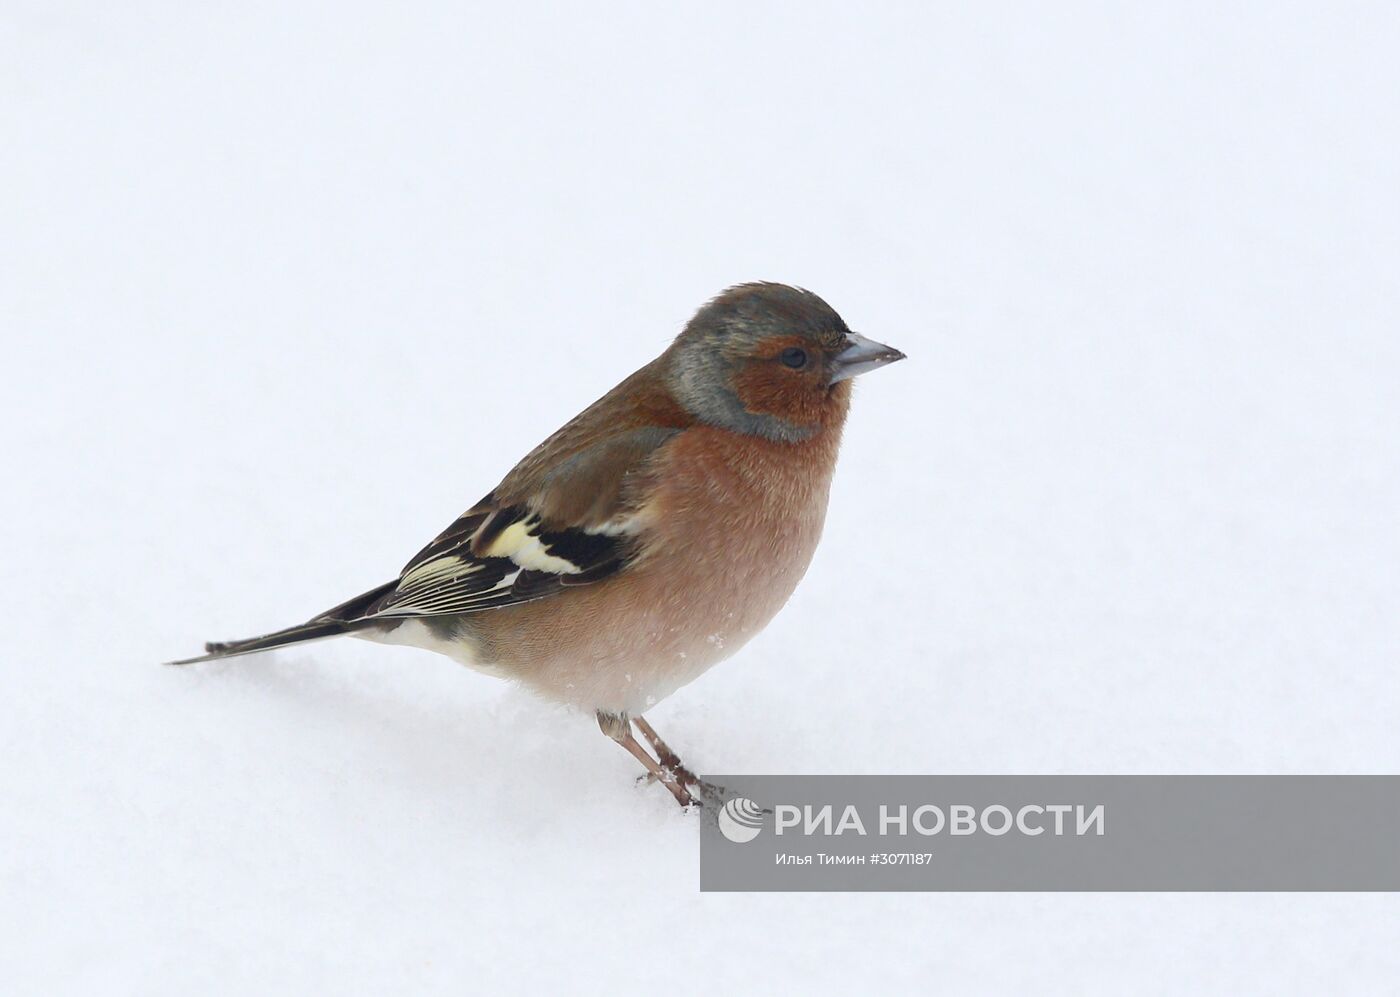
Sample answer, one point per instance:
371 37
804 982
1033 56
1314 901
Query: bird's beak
860 356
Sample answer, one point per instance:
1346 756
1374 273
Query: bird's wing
570 514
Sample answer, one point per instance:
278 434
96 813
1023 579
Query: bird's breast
727 531
738 513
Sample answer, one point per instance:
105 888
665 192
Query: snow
286 288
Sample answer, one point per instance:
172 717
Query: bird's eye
794 357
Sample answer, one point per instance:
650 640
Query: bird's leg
618 727
668 758
671 762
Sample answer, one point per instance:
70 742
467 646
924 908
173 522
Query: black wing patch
493 558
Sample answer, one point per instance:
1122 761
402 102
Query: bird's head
770 360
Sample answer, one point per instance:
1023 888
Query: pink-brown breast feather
732 523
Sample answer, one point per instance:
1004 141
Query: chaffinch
649 538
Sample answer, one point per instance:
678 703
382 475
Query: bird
650 537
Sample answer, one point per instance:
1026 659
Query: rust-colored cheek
794 396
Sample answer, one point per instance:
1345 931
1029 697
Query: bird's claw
702 793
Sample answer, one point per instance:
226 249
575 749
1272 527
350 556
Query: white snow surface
283 289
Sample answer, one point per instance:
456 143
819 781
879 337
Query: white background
283 290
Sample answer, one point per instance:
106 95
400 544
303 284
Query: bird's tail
343 619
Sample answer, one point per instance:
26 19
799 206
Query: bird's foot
670 763
702 793
618 727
